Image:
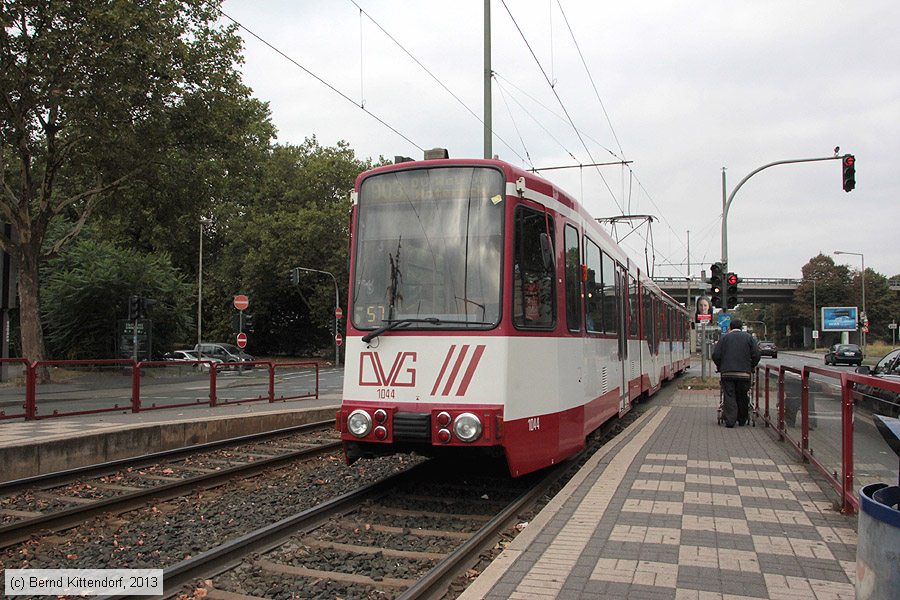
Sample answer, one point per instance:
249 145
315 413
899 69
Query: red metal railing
13 401
69 397
85 391
241 368
138 405
315 391
842 482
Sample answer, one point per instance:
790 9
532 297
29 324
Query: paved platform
34 447
682 508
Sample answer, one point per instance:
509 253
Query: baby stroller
720 411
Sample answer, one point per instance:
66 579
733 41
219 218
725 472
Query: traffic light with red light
716 284
731 290
849 163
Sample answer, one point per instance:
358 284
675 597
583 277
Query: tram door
621 309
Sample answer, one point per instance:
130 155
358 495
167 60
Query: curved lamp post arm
337 304
742 182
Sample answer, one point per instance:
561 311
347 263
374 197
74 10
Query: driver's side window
534 297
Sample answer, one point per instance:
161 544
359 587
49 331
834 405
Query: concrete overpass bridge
753 289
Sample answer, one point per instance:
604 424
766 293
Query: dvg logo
371 371
458 367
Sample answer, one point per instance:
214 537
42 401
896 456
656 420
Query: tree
87 289
299 217
831 288
882 304
89 98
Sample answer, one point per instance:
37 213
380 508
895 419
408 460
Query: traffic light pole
727 202
337 305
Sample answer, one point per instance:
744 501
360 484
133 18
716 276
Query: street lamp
203 221
337 305
765 328
815 317
863 283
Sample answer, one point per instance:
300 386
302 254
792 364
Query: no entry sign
242 340
241 302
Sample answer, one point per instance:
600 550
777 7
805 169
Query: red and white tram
489 312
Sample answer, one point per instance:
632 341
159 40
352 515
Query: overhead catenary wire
515 126
536 120
590 77
562 104
499 76
319 79
433 76
568 118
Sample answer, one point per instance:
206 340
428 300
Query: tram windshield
428 248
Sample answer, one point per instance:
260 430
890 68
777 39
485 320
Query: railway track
68 498
410 535
386 528
405 535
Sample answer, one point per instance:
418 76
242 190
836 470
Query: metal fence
58 388
827 417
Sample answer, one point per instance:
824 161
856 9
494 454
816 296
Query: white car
192 356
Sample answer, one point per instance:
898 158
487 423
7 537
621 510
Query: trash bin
878 543
878 536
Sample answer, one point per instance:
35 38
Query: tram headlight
359 423
467 427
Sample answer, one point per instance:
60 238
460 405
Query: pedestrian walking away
735 356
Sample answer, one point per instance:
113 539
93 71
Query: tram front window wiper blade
395 323
388 325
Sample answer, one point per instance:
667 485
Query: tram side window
648 320
661 311
573 280
632 307
610 295
533 285
593 297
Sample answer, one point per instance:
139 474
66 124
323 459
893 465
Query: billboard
839 318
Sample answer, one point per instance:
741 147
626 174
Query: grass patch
877 350
697 383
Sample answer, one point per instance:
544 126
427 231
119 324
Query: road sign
242 340
724 321
338 313
892 326
241 302
815 334
338 340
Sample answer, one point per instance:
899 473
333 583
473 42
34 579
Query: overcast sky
689 88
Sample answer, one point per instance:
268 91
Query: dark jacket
736 354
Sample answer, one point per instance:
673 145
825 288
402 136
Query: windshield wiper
395 323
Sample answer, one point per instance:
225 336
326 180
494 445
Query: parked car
844 353
226 353
768 349
883 401
191 355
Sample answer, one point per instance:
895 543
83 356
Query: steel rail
230 554
21 531
436 581
439 577
60 477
